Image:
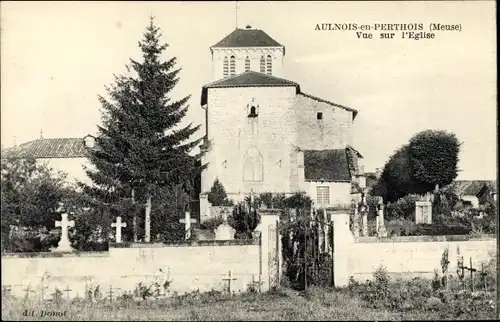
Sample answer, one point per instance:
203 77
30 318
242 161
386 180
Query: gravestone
364 215
355 223
423 212
64 244
224 231
382 232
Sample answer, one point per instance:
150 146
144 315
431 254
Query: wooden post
461 269
110 293
483 277
472 271
147 221
134 220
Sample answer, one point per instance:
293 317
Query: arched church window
232 66
253 166
225 67
269 64
247 64
262 65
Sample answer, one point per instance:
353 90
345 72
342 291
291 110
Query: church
265 134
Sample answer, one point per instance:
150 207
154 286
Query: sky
57 57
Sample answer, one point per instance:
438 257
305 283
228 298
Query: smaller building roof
472 187
326 165
247 38
48 148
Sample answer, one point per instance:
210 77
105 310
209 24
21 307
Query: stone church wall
233 133
334 131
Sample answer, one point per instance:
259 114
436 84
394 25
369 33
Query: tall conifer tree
142 151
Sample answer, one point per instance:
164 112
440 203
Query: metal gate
308 250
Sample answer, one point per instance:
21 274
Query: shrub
400 227
403 208
212 223
217 195
244 221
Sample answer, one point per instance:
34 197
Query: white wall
401 256
191 267
340 192
73 167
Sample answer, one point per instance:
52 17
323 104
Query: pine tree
141 148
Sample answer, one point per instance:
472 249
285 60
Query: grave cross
118 225
187 221
483 277
472 271
42 291
67 290
6 290
28 290
254 282
229 279
111 292
64 244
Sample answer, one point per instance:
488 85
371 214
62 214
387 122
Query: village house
475 192
264 133
66 155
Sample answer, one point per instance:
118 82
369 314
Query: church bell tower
244 50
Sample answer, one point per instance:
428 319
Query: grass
316 304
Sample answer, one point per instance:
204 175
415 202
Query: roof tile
326 165
48 148
247 38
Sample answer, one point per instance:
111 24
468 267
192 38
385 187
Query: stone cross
119 225
187 221
64 244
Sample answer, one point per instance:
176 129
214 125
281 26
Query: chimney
248 27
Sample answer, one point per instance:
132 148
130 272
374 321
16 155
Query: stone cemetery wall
404 257
185 266
199 265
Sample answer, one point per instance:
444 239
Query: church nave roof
248 79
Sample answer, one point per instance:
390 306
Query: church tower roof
247 38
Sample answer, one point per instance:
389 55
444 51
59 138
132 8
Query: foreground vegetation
381 299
